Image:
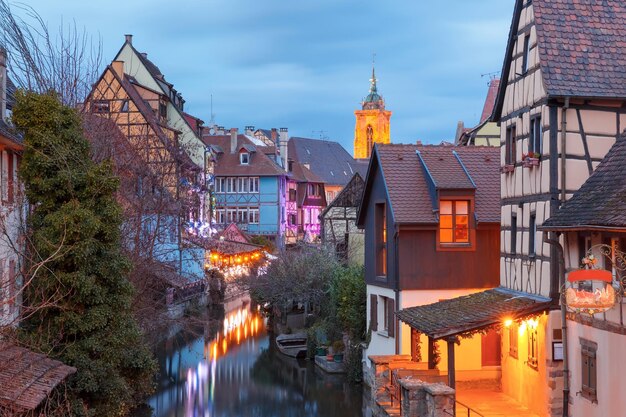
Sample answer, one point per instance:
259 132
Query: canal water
232 368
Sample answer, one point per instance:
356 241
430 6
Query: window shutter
374 312
391 308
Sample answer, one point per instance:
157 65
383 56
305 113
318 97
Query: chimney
118 67
273 135
129 39
249 130
220 131
460 128
144 54
284 140
233 139
3 83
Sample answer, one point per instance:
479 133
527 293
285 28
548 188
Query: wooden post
431 353
451 376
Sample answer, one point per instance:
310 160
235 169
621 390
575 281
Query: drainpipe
557 245
396 238
563 149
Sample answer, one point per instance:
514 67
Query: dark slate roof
228 163
326 159
300 173
582 48
481 310
600 202
412 182
27 378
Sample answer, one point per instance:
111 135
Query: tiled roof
490 101
228 163
600 202
327 159
27 378
410 185
461 315
582 47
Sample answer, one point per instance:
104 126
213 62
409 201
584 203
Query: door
491 349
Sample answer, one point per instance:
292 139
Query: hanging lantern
590 291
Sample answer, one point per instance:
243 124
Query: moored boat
293 345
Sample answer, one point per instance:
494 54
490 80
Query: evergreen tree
78 302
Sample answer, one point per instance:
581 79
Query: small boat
293 345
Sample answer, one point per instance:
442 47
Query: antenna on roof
322 134
491 75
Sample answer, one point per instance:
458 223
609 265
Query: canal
232 368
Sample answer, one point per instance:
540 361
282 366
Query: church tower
372 122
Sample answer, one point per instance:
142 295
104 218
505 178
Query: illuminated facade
372 122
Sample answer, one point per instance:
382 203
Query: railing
470 411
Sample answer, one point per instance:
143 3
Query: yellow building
372 122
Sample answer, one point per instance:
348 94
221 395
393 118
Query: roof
490 101
27 378
462 315
599 203
373 100
228 163
349 196
412 181
582 48
299 172
326 159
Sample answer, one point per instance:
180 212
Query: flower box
530 162
507 168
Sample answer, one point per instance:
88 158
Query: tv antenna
212 122
491 75
322 134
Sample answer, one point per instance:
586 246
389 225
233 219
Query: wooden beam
451 371
431 353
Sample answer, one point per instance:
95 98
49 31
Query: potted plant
338 348
320 350
507 168
531 159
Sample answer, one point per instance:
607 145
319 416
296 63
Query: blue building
250 186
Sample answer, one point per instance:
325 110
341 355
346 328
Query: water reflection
235 370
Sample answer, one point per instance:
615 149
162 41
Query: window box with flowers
531 159
507 168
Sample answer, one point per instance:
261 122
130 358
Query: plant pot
530 162
338 357
507 168
329 358
320 351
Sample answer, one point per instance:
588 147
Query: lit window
244 158
454 221
381 240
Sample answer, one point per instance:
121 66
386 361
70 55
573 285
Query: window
253 216
231 215
588 353
513 332
532 250
100 106
369 133
526 53
291 219
220 185
314 190
373 312
534 141
388 321
243 184
8 176
163 110
509 146
244 158
292 195
454 221
242 215
221 216
254 184
330 195
124 107
513 234
231 185
533 347
381 240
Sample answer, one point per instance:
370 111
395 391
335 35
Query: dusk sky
306 64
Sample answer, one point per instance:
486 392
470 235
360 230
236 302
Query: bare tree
67 61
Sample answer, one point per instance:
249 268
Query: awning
27 378
472 312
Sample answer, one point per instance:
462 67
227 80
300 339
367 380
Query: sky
306 64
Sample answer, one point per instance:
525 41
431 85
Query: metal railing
470 411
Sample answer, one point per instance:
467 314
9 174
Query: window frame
533 347
513 248
380 243
510 145
532 236
253 215
254 184
101 106
244 158
535 138
526 53
471 225
589 370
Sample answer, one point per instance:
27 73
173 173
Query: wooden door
491 349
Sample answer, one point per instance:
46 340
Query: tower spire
373 88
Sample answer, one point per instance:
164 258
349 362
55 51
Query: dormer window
244 158
455 223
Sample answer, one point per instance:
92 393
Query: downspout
396 256
563 146
557 245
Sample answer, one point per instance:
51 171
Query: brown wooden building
431 216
